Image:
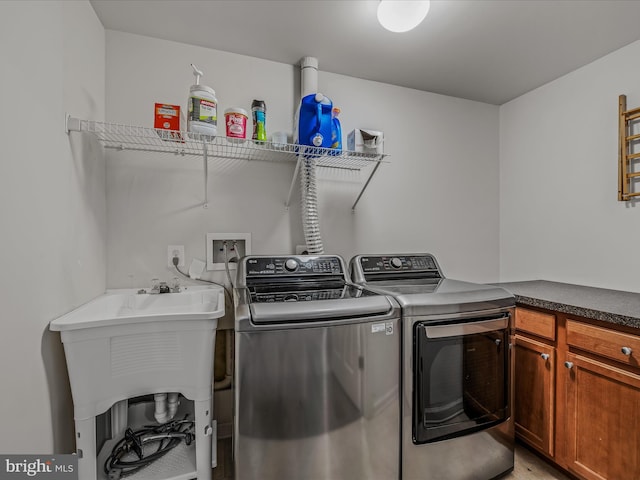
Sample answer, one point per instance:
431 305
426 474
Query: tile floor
224 470
528 466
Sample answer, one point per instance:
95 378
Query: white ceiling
486 50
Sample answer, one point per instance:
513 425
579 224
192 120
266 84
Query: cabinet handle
568 364
545 356
626 350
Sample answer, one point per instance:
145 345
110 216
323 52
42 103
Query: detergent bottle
336 129
314 123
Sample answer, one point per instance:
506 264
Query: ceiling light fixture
402 16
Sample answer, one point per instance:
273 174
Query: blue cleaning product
336 129
314 126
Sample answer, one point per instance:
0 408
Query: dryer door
461 374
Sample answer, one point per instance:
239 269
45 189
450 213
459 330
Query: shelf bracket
293 181
71 124
364 187
206 174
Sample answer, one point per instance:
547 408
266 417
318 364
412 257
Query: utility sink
127 306
123 344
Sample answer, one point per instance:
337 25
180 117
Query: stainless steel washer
457 374
317 388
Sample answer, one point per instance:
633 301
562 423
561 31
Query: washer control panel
298 296
398 263
293 265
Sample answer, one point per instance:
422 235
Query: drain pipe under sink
226 381
166 406
160 413
172 401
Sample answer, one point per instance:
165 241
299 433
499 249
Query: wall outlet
237 246
172 251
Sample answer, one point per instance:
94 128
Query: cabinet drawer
618 346
537 323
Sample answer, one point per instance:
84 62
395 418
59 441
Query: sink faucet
158 287
155 285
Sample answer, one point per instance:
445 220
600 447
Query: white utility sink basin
124 344
126 306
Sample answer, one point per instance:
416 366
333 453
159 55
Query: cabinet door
535 393
603 420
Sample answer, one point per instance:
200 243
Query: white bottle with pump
202 109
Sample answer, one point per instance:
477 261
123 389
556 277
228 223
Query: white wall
52 210
438 193
559 215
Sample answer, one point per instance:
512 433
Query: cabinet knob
626 350
568 364
545 356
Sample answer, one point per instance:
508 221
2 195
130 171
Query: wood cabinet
603 402
603 420
535 378
536 323
581 406
618 346
535 393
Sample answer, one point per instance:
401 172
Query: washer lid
444 296
320 310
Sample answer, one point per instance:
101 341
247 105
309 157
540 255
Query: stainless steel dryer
317 373
457 388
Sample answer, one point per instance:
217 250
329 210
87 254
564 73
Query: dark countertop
612 306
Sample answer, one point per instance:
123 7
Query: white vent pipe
308 76
309 194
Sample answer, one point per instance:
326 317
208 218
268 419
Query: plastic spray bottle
202 107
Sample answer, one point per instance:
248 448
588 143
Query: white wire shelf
180 143
130 137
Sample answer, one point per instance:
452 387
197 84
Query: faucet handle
175 285
155 285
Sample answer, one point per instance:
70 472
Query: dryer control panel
394 266
394 263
